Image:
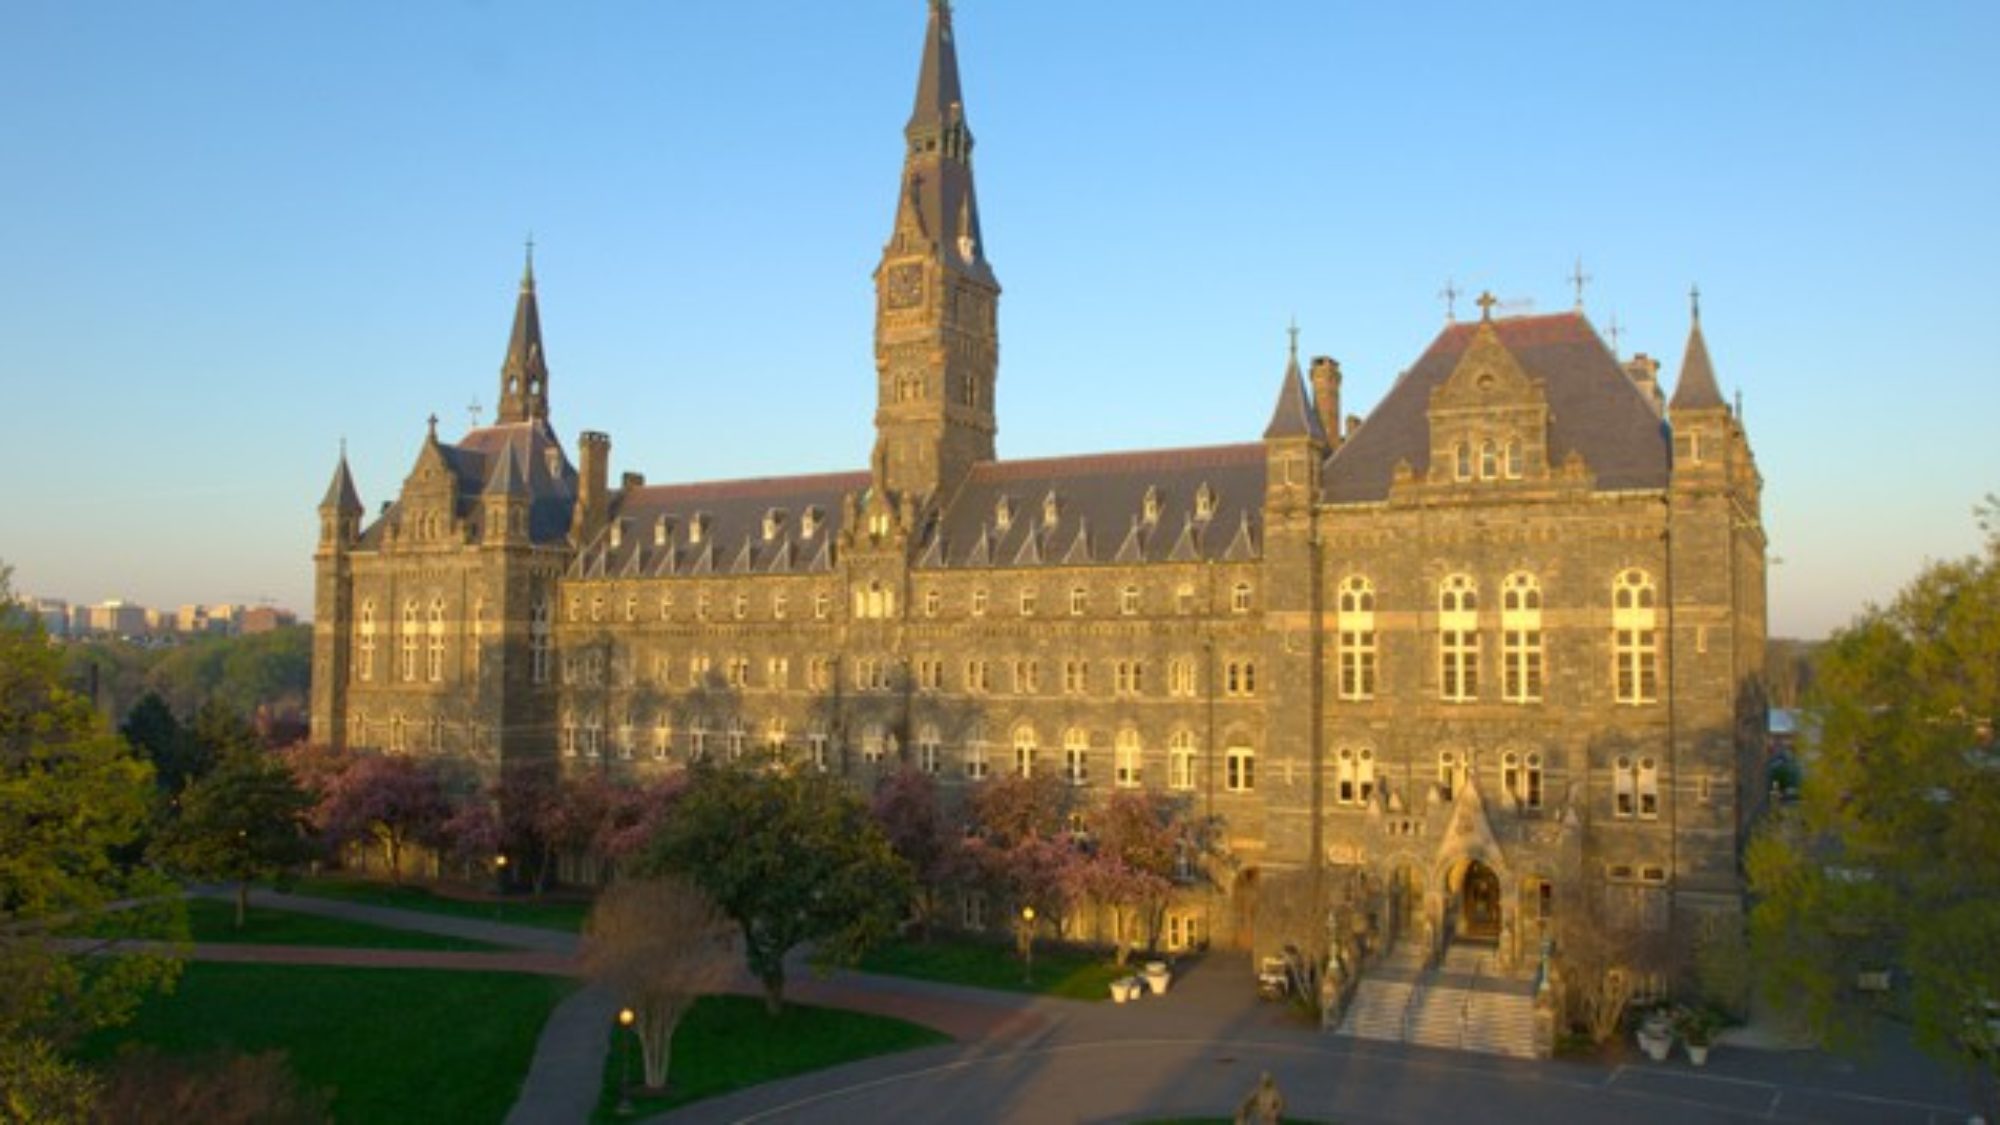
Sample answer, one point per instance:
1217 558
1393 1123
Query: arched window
1180 760
1076 755
434 649
736 737
1240 769
1356 627
975 753
538 642
1451 773
873 737
1127 752
927 748
1079 601
1462 461
411 629
365 664
1521 639
1634 636
775 735
1515 462
1458 640
1239 598
1521 776
1489 461
1024 751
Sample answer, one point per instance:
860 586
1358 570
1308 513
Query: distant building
264 618
54 614
118 619
1485 657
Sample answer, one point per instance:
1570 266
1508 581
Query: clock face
905 285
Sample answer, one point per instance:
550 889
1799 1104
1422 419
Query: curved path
1196 1050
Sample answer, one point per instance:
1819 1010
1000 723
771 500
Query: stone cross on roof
1486 302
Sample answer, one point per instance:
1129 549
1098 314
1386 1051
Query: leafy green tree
72 796
790 858
160 738
247 820
1891 860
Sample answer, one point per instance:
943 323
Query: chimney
592 481
1644 372
633 481
1326 397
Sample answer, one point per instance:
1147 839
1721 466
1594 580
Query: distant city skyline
243 234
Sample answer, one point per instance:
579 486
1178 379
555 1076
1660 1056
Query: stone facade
1487 656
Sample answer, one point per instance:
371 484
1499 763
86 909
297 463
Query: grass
214 921
729 1042
1058 971
395 1045
548 915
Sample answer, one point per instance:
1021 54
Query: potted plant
1656 1033
1698 1027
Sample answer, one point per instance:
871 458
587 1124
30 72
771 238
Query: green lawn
1059 971
728 1042
556 915
395 1045
214 920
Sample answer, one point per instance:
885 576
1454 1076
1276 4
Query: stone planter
1124 989
1157 977
1698 1054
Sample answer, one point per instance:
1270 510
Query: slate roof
340 493
1100 505
732 514
1294 415
551 489
937 186
1595 410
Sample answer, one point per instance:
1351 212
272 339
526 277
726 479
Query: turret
1295 442
340 512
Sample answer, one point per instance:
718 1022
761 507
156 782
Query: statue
1264 1106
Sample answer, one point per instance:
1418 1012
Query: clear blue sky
237 232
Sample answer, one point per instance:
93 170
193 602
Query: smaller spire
1294 416
528 270
524 374
1697 388
340 494
507 478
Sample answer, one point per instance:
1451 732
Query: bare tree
660 945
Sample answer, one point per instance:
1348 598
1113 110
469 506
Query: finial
1450 295
472 414
1615 332
1486 302
528 273
1579 279
1694 302
343 447
1293 331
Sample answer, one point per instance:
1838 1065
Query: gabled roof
546 478
1104 490
1595 410
1696 389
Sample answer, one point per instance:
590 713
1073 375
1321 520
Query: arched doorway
1479 904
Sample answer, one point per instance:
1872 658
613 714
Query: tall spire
937 167
1697 388
939 101
524 376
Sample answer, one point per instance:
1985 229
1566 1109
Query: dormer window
1003 514
697 527
617 534
1051 510
552 457
1149 508
1204 502
661 528
809 523
774 523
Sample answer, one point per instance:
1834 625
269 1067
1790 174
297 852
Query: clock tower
937 347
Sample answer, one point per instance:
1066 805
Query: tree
73 796
659 945
246 820
1019 845
790 858
160 738
145 1087
394 801
1137 840
912 817
1891 859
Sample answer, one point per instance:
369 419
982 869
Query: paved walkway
1196 1050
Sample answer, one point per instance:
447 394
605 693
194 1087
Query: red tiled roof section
755 488
1518 332
1136 461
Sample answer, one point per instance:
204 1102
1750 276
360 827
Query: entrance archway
1479 904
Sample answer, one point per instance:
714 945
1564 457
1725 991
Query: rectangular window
1357 664
1076 677
1241 769
1028 602
1637 661
1458 665
1180 761
1130 677
1240 678
778 671
1521 659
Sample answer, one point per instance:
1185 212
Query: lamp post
625 1018
1028 945
500 872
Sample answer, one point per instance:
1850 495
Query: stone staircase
1463 1004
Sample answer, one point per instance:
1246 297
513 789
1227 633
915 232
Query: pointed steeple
939 101
341 497
937 173
1697 388
1294 416
524 376
507 478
